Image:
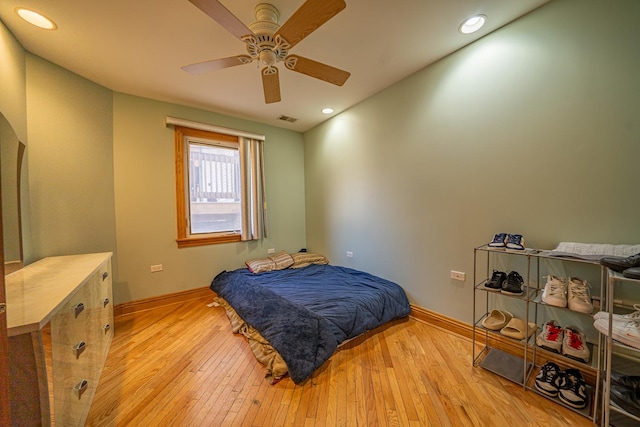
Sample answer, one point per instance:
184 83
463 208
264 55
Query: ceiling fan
269 43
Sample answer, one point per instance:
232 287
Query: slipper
497 320
517 328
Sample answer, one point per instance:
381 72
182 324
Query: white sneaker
554 292
574 344
550 337
579 297
627 331
630 316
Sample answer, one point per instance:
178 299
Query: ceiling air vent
287 119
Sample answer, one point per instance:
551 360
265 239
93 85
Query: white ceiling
138 46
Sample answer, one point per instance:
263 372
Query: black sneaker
547 379
513 284
626 398
496 281
619 264
629 381
572 388
632 273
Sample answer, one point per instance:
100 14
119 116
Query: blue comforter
306 313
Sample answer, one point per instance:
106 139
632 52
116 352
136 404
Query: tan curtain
254 205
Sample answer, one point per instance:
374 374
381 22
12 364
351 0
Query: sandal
497 320
517 328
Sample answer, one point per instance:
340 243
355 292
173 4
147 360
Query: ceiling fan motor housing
262 45
266 13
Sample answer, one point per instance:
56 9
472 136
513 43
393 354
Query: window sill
188 242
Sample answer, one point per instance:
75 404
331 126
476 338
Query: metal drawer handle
106 328
105 275
105 302
80 388
79 348
78 308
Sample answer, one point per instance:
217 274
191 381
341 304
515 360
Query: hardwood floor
180 365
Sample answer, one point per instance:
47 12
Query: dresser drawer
73 390
103 280
80 336
72 323
105 328
104 315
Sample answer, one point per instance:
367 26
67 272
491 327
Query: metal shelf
625 355
506 365
520 369
592 363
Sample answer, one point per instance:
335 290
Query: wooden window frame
185 239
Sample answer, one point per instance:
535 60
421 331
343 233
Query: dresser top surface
37 291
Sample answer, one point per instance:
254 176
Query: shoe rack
520 360
618 357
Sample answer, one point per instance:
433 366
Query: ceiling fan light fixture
268 57
473 24
36 18
327 110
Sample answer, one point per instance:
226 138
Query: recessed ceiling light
36 18
327 110
473 24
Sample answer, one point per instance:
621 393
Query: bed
295 318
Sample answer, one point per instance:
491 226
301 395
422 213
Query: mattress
305 313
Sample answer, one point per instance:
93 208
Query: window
219 187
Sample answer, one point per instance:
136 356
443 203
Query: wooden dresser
72 297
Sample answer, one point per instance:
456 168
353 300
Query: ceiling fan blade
316 69
271 84
217 64
309 17
222 16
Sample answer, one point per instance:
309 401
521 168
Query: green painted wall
533 129
145 198
70 156
13 82
13 106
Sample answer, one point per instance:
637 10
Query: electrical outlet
458 275
349 254
156 268
271 251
